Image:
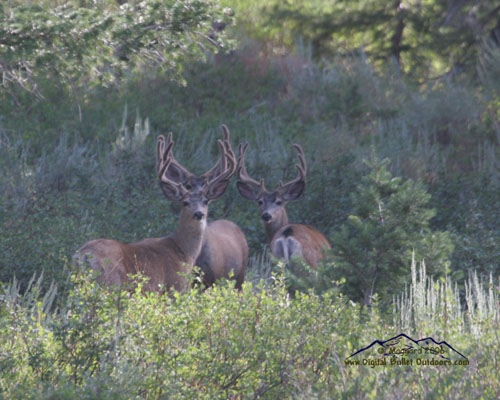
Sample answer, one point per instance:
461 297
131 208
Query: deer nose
266 217
198 215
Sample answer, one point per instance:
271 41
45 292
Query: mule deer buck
224 250
164 260
285 240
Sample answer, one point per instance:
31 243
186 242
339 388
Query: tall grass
428 306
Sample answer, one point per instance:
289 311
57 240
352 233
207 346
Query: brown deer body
285 240
224 249
159 259
224 253
162 260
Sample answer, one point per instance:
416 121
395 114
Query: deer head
195 193
271 203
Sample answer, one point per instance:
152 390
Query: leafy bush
221 343
187 345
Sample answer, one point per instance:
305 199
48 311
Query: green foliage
59 189
390 220
85 43
471 222
215 344
425 39
87 85
221 343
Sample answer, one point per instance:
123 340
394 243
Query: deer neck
189 236
278 222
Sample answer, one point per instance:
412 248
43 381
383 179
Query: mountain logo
405 345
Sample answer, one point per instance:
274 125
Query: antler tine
242 171
160 151
221 165
163 155
164 161
228 165
229 150
176 172
301 167
224 147
225 132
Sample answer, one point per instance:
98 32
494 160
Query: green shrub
215 344
373 249
221 343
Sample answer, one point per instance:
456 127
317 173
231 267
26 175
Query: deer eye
185 203
260 202
205 202
279 202
188 186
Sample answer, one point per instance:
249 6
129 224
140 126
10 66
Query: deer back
158 259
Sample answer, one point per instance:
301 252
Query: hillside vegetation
403 169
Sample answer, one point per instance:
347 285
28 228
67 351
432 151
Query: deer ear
294 191
216 190
247 190
171 192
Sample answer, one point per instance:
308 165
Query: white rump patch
287 248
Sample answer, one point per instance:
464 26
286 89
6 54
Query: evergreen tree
372 251
424 38
95 42
390 222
